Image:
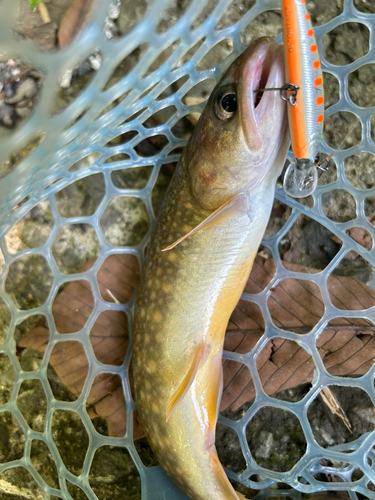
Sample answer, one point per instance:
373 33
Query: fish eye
229 103
226 103
317 159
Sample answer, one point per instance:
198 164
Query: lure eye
226 103
317 159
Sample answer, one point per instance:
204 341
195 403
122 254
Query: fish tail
222 479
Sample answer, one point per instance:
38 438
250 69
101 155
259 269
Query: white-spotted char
199 259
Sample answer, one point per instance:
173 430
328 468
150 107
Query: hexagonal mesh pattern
102 133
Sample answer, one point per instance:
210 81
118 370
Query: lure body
306 117
187 294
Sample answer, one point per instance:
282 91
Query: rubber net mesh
80 141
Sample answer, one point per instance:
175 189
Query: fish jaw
254 71
264 119
237 153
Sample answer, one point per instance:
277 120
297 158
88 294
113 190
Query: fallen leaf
334 406
73 21
360 235
117 278
347 347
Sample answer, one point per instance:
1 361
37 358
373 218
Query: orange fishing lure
305 112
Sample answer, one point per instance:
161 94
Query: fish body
306 116
224 184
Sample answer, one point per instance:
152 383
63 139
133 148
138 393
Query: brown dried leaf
347 347
73 21
72 309
119 275
360 235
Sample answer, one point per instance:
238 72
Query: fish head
242 136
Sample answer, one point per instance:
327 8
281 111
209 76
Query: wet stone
125 221
19 87
11 438
114 463
308 243
74 245
7 379
21 484
272 447
6 115
29 281
32 403
25 90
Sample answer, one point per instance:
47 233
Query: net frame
84 128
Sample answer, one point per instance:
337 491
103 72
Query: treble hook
288 87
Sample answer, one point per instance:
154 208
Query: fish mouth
263 68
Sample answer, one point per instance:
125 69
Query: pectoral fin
199 357
213 396
241 496
234 206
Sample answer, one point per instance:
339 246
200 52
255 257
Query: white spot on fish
157 316
172 256
151 365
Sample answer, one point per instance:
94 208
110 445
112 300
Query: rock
8 90
7 115
19 86
360 169
25 90
30 25
131 13
22 111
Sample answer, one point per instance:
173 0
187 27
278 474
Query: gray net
129 115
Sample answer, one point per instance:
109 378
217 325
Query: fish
199 258
306 110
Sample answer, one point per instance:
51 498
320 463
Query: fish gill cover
90 134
